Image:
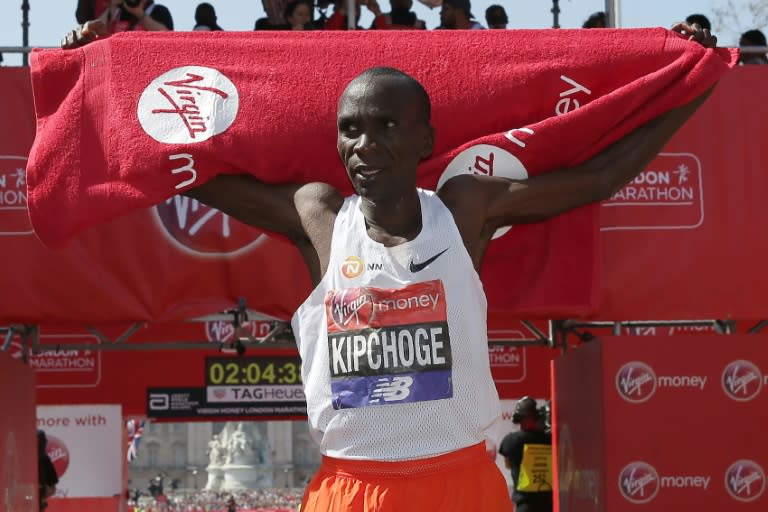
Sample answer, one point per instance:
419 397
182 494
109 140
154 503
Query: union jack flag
135 429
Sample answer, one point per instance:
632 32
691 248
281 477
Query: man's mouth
367 171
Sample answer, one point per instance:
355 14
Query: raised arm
498 202
303 213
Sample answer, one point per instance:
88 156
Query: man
700 19
401 16
205 18
457 15
395 362
339 21
393 337
752 38
532 489
46 472
121 16
496 17
595 20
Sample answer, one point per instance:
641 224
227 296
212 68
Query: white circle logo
187 105
742 380
639 482
636 382
486 160
745 480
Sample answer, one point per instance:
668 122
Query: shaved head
397 78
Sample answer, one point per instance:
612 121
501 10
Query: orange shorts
466 480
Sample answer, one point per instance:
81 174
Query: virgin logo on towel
745 480
486 160
187 105
742 380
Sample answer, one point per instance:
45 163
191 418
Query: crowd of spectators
110 16
307 15
258 500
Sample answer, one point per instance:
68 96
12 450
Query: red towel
117 117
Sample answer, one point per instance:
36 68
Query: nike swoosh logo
418 267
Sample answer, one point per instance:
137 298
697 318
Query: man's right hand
84 34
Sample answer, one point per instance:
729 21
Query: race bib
388 346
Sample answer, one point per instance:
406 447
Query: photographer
119 16
46 473
528 455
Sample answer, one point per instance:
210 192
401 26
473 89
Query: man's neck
392 221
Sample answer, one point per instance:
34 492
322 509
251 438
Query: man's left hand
695 33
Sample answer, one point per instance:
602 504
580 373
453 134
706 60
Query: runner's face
383 134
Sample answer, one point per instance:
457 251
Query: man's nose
365 143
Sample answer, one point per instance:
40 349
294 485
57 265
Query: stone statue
217 452
238 459
240 447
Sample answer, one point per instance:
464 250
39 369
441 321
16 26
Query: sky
51 19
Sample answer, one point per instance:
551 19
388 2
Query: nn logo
745 480
636 382
353 266
639 482
742 380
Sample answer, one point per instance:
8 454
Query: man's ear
429 143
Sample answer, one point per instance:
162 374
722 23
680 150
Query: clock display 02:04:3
220 371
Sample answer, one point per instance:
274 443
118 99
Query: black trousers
529 507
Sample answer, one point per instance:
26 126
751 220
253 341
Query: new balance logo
392 389
418 267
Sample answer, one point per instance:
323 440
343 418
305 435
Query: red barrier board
18 439
85 504
678 431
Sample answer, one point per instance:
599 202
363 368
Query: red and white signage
86 448
56 366
14 219
668 194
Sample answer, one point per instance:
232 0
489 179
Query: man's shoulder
510 440
317 197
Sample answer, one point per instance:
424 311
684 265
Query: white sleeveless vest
393 343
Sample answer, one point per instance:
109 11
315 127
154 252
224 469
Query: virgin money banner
661 410
85 445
